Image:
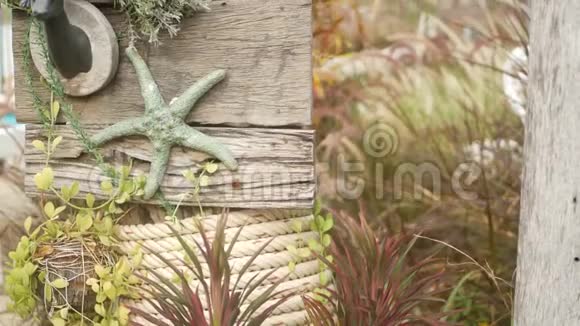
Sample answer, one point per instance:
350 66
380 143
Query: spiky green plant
227 302
374 283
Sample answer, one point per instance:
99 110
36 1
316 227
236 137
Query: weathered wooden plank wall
262 111
276 166
264 46
547 288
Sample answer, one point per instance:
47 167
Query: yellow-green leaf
211 168
204 181
123 313
74 189
292 266
28 224
55 109
56 321
326 240
328 224
44 179
90 199
323 279
60 283
63 313
304 252
107 186
189 176
101 271
49 210
84 222
39 145
47 293
297 226
56 142
99 309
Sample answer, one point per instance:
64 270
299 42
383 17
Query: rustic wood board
276 166
547 287
264 45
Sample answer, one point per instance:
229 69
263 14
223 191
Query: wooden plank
264 45
547 288
276 166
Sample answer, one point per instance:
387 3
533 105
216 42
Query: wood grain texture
264 45
547 288
276 166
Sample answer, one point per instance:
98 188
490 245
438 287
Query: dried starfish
164 124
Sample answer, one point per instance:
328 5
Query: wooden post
548 286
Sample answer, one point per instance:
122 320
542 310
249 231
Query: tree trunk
548 286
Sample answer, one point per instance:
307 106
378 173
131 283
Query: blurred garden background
419 113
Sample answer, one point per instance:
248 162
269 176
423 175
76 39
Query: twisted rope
259 227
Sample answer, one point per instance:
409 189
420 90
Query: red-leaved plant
373 282
226 304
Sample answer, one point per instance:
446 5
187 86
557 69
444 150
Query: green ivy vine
316 247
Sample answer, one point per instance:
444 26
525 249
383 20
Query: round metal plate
104 47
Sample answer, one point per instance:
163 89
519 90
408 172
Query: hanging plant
69 266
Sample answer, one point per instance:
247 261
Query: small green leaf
100 309
112 208
55 109
189 176
107 186
317 208
101 271
56 321
49 210
319 220
326 240
28 224
296 226
323 278
47 293
90 199
110 291
60 283
74 189
123 198
63 313
315 246
328 224
84 222
123 314
105 240
313 226
56 142
44 179
211 168
92 281
59 210
203 181
304 252
39 145
29 268
292 266
65 193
